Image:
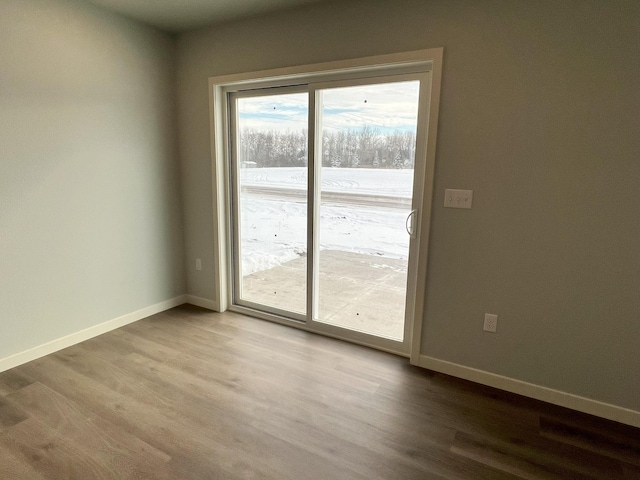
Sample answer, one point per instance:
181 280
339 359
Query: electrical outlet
490 323
198 264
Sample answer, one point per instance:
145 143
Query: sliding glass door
323 210
365 166
270 200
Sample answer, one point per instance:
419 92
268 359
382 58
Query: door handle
409 224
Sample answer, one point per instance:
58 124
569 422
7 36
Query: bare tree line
366 148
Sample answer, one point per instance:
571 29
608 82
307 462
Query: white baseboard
77 337
203 302
557 397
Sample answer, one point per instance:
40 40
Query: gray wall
540 116
90 205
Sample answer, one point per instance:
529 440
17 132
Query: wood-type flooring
192 394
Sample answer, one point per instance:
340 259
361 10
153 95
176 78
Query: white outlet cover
490 322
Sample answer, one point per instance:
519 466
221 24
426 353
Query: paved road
344 198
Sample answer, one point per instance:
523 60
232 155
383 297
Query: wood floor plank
196 409
292 420
266 383
298 422
253 358
53 456
150 418
620 443
532 459
133 457
13 468
336 355
631 472
386 463
474 414
192 394
10 414
11 380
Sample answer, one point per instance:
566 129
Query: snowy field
376 182
273 224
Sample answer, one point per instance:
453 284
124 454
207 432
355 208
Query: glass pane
368 149
271 166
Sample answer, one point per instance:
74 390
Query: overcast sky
387 107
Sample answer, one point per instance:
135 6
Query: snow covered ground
385 182
273 225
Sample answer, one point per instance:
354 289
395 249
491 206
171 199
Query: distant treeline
366 147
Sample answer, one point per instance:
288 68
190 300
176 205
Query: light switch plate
458 198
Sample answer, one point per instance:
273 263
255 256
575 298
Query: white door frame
408 62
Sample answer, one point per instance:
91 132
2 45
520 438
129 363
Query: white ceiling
181 15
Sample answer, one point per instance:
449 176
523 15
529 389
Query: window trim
220 86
